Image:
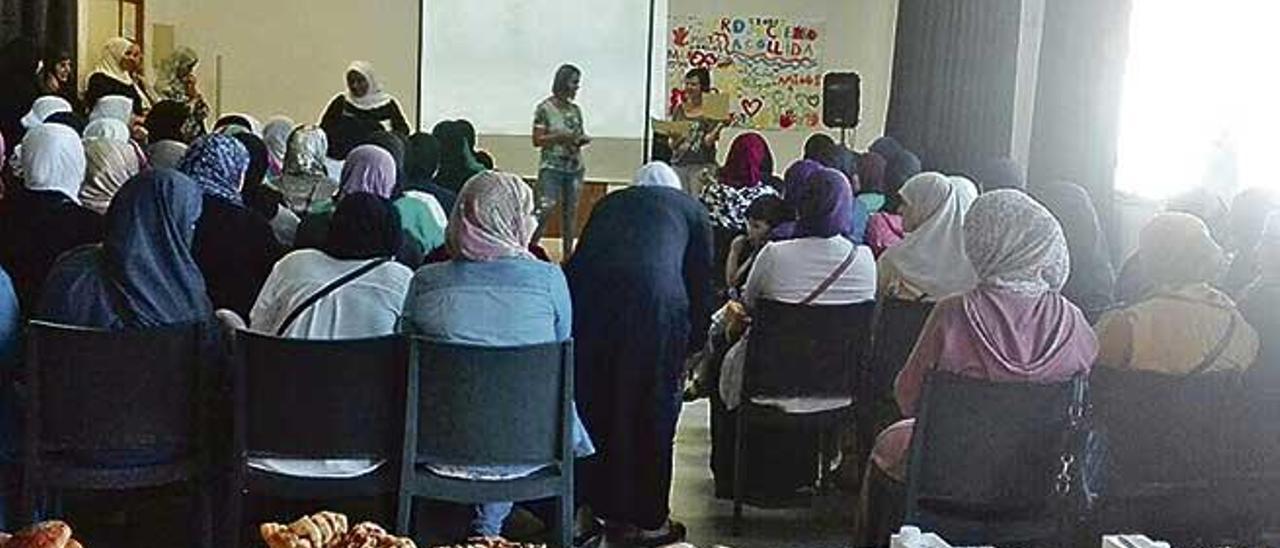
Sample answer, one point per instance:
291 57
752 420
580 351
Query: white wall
289 56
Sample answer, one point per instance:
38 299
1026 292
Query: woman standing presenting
558 131
360 111
694 153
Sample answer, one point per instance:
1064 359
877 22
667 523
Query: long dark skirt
629 397
777 461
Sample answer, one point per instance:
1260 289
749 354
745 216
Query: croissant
327 530
48 534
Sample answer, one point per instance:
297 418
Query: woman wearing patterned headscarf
360 110
1013 327
306 180
234 246
178 83
1184 326
492 293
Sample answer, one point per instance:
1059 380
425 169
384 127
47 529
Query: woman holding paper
694 152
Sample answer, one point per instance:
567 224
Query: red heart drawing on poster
752 107
787 120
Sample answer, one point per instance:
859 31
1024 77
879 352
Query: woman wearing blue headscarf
234 246
143 274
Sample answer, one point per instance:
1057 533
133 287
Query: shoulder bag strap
326 290
1217 350
831 279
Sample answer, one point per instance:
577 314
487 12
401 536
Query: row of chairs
1193 460
123 410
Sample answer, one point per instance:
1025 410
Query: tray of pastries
328 530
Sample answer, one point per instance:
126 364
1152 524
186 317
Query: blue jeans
488 518
557 187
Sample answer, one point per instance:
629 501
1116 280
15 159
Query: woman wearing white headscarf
107 128
44 107
930 262
657 174
361 110
45 218
109 165
116 74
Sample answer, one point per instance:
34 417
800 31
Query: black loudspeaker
841 99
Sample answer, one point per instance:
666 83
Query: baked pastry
48 534
328 530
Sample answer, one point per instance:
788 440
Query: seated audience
796 176
458 163
276 136
1013 327
422 160
109 165
266 202
167 134
740 183
306 182
765 215
57 77
371 169
44 218
1001 173
818 265
1261 303
360 110
1249 211
642 303
234 246
237 122
421 216
930 263
1091 285
144 274
1183 326
871 168
885 228
44 107
493 293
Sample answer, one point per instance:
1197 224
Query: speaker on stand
841 101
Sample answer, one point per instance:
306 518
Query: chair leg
564 525
404 512
738 447
820 483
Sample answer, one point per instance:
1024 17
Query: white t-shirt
368 306
789 271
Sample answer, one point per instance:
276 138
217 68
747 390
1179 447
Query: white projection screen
492 61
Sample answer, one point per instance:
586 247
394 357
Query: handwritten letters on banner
770 67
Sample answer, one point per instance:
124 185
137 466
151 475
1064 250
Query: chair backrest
805 350
987 451
320 398
1168 430
480 406
99 392
896 327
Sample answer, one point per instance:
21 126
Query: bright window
1201 100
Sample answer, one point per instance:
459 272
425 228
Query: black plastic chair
117 411
985 459
894 331
487 406
317 399
799 352
1190 459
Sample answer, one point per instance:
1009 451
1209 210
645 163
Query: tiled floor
827 524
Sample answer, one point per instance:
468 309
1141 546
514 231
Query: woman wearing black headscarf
365 233
167 139
267 202
642 302
57 77
457 160
1091 284
421 163
144 273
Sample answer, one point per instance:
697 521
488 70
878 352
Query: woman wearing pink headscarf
1014 327
493 293
740 183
